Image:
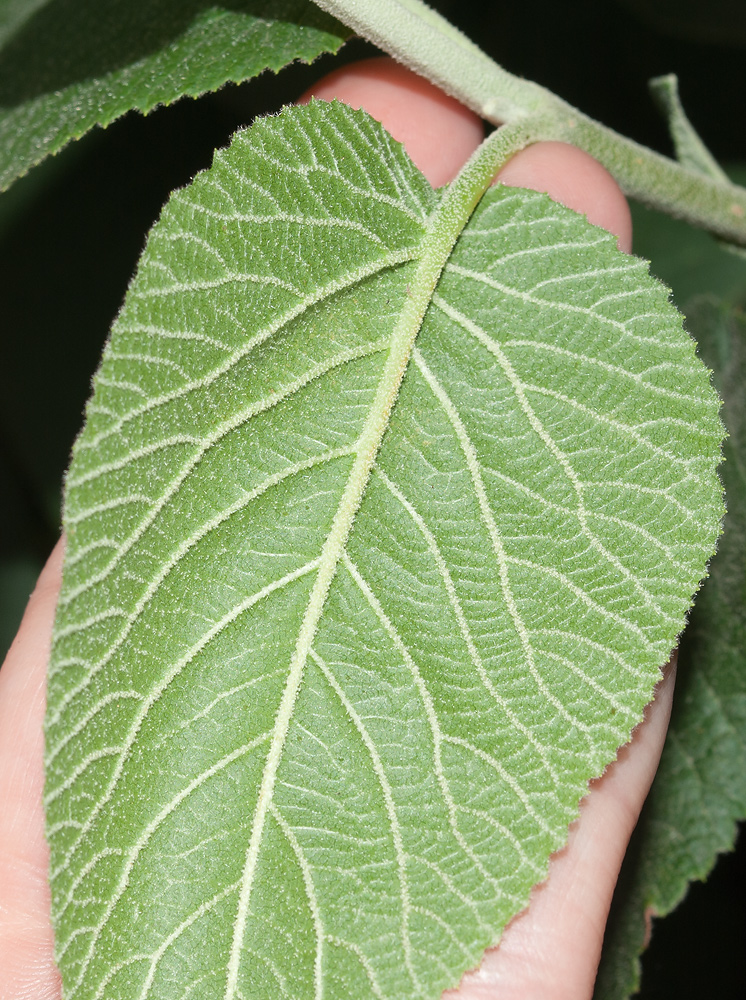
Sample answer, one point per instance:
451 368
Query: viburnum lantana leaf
376 546
69 66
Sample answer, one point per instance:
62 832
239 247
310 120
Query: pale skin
551 950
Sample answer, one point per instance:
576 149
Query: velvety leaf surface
349 621
700 790
73 64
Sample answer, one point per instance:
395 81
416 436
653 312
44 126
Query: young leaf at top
73 64
376 545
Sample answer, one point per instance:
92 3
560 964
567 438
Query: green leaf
348 621
700 790
654 877
73 64
689 260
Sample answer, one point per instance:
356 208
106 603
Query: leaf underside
700 789
74 64
259 786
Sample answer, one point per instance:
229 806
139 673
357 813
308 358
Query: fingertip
23 690
552 949
50 579
438 133
26 949
571 176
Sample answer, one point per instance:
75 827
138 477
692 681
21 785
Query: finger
572 177
26 964
439 134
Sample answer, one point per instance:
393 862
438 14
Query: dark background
71 232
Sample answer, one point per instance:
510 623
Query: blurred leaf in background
720 22
68 65
700 790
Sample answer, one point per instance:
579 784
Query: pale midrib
445 227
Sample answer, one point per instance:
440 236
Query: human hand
551 950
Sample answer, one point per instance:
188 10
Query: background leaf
381 751
700 791
17 579
688 260
74 64
13 13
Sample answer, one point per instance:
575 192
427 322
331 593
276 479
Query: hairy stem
430 45
427 43
655 180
